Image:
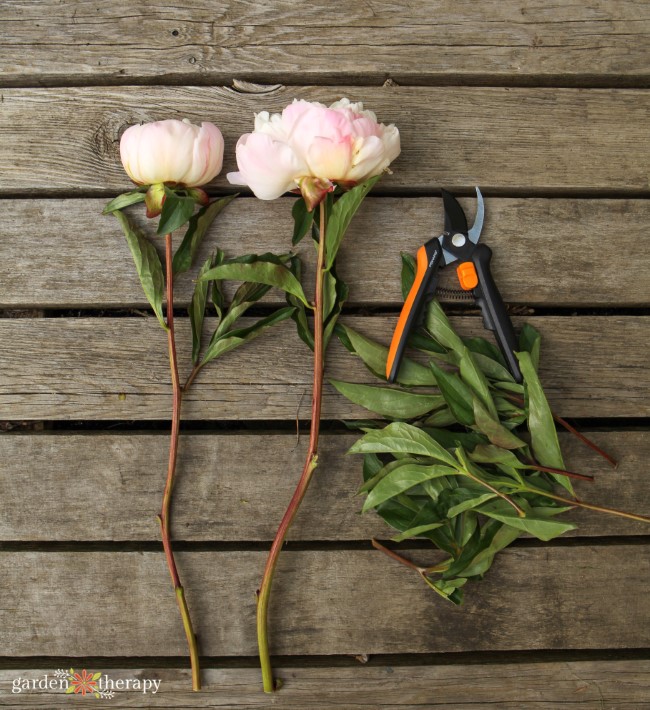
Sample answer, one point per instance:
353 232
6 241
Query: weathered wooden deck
546 106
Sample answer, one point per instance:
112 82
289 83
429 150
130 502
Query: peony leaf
402 479
408 273
374 356
176 211
417 531
340 295
402 438
124 200
260 272
229 341
389 402
456 393
471 374
535 523
439 326
147 263
198 226
302 220
530 341
342 213
543 436
494 430
197 310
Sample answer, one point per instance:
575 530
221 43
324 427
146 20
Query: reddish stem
164 516
311 461
562 472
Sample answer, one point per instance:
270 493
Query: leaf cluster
469 459
258 273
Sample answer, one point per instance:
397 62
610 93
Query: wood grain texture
223 493
622 685
431 41
334 602
544 140
116 368
77 258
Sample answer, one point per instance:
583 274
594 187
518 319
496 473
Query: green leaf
341 293
439 326
537 525
401 438
147 263
457 394
408 273
260 272
302 220
124 200
499 537
487 453
198 226
417 531
197 310
481 346
300 314
451 439
217 295
530 341
474 378
343 211
234 338
176 211
467 500
388 401
494 430
374 356
370 481
443 417
543 436
402 479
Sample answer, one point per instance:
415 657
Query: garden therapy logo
84 683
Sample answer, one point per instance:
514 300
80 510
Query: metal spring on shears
453 294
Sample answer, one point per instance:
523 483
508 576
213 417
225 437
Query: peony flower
171 152
311 147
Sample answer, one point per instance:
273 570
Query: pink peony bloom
171 151
313 143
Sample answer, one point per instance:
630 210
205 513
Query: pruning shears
456 243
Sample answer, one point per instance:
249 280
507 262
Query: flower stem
311 461
171 471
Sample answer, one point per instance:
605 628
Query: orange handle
423 288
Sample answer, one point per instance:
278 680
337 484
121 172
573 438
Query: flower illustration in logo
83 682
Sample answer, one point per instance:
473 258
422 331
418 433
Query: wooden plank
94 42
330 602
510 686
77 258
222 493
116 368
524 140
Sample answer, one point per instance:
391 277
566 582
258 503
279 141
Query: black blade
455 220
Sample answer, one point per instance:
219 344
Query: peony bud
173 152
310 146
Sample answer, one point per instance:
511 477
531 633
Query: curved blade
475 232
455 220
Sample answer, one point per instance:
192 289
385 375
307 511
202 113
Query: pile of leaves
469 465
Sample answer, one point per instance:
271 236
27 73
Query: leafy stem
164 516
311 462
582 504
